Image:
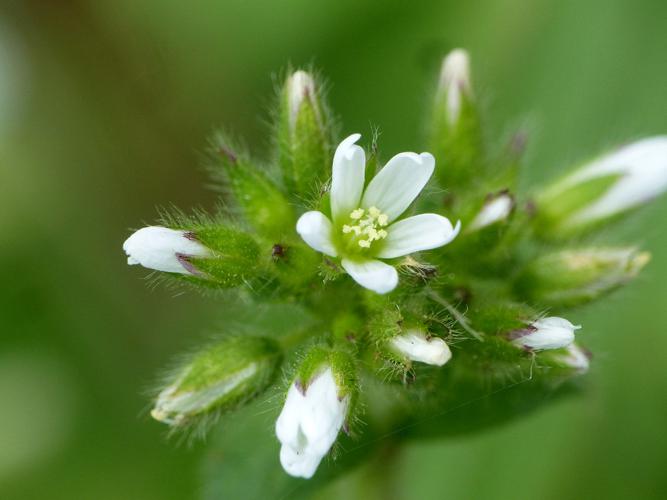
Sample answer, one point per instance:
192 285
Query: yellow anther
374 212
383 220
382 234
357 214
372 233
364 243
347 229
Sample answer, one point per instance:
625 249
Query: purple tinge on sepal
184 260
521 332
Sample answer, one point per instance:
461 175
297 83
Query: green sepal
574 277
304 138
258 199
218 378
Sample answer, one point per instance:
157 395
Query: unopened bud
218 378
164 249
455 83
218 254
316 408
304 136
456 139
496 209
605 188
415 346
546 333
573 277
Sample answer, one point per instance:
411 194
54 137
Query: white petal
396 186
372 274
315 229
575 358
549 333
455 81
421 232
497 209
158 248
415 346
347 181
300 86
643 165
299 463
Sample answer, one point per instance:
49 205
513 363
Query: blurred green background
104 108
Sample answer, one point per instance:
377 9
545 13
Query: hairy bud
573 277
218 378
304 136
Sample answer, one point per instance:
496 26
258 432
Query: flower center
366 226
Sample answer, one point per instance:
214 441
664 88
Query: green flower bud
218 378
258 199
304 136
456 139
573 277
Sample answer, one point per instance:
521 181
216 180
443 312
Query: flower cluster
394 311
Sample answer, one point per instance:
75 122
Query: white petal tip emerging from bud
495 210
300 86
159 248
546 333
455 81
576 358
309 424
416 347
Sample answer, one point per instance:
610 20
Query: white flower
642 166
163 249
455 82
415 346
546 333
365 227
496 209
576 358
309 424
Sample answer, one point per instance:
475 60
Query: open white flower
416 347
365 226
546 333
163 249
309 424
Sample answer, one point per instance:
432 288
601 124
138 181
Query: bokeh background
104 109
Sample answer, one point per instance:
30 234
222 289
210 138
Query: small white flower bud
416 347
496 209
163 249
545 333
455 82
300 86
309 423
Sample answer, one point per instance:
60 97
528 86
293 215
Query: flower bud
218 378
456 139
497 208
216 254
256 196
455 83
545 333
605 188
573 277
164 249
304 136
414 346
317 405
